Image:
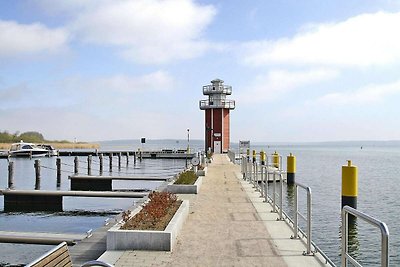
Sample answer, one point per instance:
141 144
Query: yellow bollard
262 156
254 156
349 185
275 159
291 168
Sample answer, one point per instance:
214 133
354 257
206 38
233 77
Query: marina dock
228 225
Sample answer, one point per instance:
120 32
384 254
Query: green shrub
187 177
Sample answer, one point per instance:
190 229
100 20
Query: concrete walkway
228 225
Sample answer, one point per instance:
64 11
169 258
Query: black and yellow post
275 159
262 157
291 169
248 154
254 156
349 185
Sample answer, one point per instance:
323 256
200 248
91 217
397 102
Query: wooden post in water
11 175
58 164
110 159
101 163
37 174
119 160
89 165
76 165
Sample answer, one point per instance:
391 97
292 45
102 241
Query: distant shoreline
7 146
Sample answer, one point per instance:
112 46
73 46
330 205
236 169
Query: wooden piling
37 174
101 163
110 156
58 164
76 165
89 164
11 175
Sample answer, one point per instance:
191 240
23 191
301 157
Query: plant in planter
187 182
155 215
187 177
153 226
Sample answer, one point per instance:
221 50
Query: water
320 168
80 214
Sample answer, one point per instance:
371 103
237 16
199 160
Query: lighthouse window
213 88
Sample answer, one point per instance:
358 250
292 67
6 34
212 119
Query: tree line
31 137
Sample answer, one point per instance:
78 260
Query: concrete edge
148 240
184 188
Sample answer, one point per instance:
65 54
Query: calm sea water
80 214
379 185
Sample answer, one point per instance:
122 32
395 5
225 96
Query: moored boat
23 149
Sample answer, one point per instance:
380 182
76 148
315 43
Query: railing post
11 174
296 212
281 197
37 174
345 221
309 221
119 160
127 158
58 164
274 193
266 184
262 180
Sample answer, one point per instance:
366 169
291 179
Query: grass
155 215
60 145
187 177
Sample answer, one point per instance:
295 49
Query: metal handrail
371 220
297 213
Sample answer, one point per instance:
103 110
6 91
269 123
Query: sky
300 71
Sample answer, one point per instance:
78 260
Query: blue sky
119 69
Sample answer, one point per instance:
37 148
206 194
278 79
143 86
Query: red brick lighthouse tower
217 109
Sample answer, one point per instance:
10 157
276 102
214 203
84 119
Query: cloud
278 82
361 41
144 31
29 39
366 95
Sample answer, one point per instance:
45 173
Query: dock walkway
228 225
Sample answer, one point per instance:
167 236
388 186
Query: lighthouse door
217 147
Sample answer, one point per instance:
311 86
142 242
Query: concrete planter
202 172
185 188
148 240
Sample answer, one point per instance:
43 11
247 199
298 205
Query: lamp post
188 147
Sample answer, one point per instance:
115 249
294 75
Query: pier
228 225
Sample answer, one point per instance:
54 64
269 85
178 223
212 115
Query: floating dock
40 238
104 183
43 200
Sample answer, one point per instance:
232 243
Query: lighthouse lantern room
217 119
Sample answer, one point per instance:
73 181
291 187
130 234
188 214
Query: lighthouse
217 121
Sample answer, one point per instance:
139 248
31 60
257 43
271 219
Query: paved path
227 226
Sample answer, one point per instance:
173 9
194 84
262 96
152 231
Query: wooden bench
58 256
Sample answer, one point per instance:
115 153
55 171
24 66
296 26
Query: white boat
51 151
23 149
